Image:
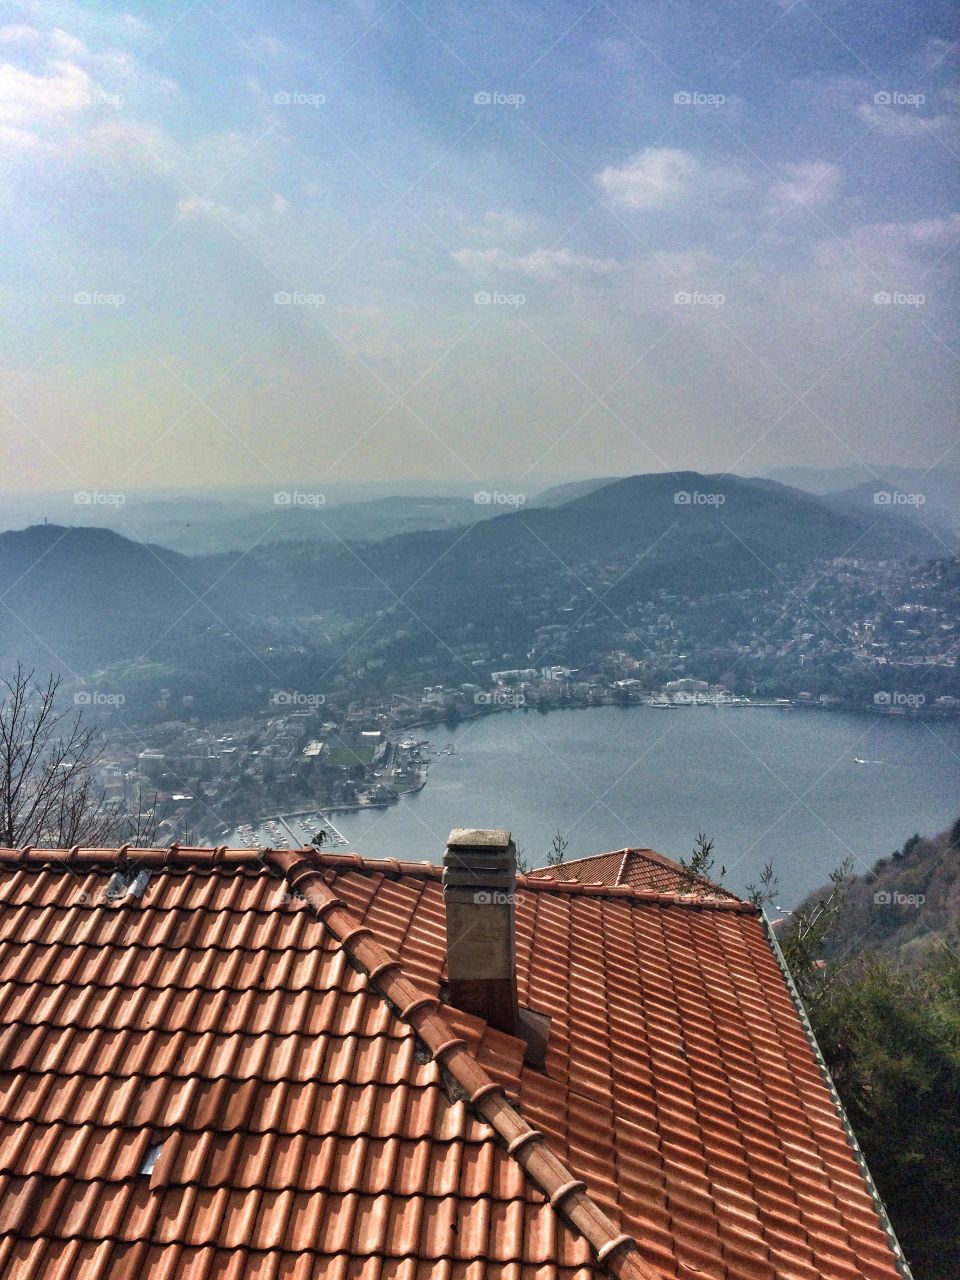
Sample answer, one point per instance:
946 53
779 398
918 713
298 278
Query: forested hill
907 904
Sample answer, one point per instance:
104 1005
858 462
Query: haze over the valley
257 245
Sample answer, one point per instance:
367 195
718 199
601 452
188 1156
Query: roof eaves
901 1263
617 1252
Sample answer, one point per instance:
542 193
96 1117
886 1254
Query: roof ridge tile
179 858
621 1252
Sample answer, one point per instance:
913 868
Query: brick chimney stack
479 879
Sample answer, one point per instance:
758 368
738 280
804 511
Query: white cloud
936 52
131 141
804 185
26 98
934 234
888 255
653 177
498 225
542 264
248 220
894 122
203 208
70 46
132 25
19 33
266 46
14 139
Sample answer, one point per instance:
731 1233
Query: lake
764 783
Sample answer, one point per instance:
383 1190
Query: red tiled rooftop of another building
273 1024
639 867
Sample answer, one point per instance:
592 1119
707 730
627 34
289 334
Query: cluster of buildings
852 634
203 782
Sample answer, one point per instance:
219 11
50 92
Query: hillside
938 486
884 1002
74 598
200 525
906 905
561 493
87 597
629 538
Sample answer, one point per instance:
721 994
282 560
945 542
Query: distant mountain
85 597
369 521
207 523
204 525
561 493
938 487
873 496
685 533
716 519
74 598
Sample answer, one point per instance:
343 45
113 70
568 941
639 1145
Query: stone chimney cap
479 859
478 838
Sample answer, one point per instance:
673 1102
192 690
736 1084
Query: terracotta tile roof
641 868
246 1072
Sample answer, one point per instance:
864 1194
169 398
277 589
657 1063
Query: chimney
479 879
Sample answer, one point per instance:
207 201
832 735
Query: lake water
763 783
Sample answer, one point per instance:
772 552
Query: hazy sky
171 168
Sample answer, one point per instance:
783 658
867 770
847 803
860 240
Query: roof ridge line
616 1251
178 858
642 851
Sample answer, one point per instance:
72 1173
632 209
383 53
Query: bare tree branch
48 797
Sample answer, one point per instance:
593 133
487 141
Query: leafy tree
805 938
890 1035
700 865
767 891
451 715
891 1039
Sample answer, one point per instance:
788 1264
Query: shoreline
880 712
